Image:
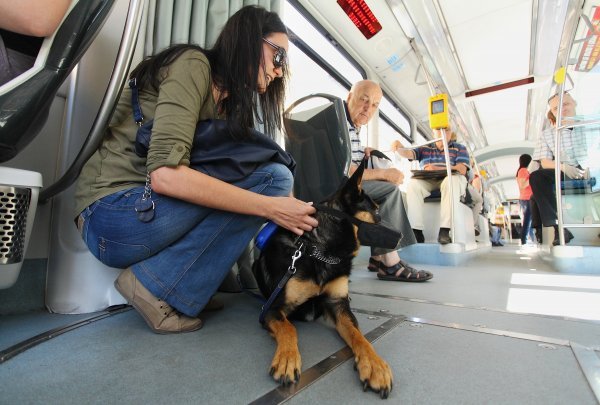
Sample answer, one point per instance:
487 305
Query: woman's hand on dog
292 214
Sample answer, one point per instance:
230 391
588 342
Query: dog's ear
351 191
355 180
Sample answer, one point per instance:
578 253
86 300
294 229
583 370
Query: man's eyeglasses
557 94
280 55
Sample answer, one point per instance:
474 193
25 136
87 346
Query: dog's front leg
286 364
373 371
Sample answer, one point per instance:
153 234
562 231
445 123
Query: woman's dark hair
235 61
524 161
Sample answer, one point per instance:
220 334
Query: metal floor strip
450 304
311 375
490 331
19 348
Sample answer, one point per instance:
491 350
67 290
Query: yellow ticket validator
438 111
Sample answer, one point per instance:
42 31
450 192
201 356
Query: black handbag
216 152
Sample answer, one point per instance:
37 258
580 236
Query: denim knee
282 178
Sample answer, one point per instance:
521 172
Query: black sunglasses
279 57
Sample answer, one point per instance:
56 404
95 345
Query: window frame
336 75
308 51
391 123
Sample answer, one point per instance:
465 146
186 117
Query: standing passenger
524 197
199 225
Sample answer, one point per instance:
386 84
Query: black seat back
318 140
24 107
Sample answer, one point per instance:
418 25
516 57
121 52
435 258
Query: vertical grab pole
557 162
449 179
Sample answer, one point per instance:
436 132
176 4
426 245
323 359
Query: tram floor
477 333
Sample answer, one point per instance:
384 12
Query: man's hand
393 175
367 151
396 145
571 171
406 153
434 167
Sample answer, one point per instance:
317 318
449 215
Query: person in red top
525 196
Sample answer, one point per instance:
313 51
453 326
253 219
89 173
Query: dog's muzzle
368 234
377 235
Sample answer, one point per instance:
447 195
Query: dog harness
315 253
372 234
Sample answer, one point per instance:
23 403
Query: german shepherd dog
319 286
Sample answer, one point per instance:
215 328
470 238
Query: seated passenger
382 186
23 24
431 157
177 230
573 150
475 189
497 225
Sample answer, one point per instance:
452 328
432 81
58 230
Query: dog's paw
286 366
374 373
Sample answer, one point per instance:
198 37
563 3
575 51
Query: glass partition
578 130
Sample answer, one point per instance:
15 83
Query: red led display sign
362 16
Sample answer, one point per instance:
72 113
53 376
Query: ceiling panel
498 53
503 115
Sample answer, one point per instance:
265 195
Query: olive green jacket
184 97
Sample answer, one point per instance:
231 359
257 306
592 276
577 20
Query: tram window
307 78
395 119
420 138
387 135
305 30
316 66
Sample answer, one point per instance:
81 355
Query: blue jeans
185 252
496 234
526 228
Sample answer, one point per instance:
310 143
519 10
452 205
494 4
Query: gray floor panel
458 345
16 328
152 368
583 332
437 365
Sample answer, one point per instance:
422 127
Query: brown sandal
402 272
374 265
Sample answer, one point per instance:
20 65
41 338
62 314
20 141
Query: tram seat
25 100
25 103
463 215
318 139
462 235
